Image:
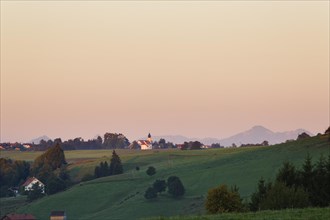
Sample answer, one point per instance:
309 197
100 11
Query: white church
146 144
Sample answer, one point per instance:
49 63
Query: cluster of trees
51 169
292 188
162 144
264 144
192 145
173 184
12 174
104 169
295 188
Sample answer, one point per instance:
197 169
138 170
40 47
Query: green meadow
122 196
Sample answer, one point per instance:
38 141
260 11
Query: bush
151 171
220 200
175 186
151 193
159 186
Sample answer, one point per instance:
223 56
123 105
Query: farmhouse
58 215
30 182
146 144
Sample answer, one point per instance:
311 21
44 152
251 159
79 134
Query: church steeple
149 138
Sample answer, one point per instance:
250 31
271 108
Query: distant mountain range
38 139
255 135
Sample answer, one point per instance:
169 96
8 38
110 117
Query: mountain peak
259 128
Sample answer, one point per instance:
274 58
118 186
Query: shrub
150 193
159 186
220 200
175 186
151 171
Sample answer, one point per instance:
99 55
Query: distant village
115 141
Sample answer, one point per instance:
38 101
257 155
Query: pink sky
200 69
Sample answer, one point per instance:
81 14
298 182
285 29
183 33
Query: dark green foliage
150 193
220 200
159 186
280 196
115 164
137 168
114 141
175 186
288 174
54 185
102 170
259 195
151 171
12 174
35 193
47 162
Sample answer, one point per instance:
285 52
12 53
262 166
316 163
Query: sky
199 69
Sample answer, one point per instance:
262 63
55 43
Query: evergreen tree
259 195
115 164
288 175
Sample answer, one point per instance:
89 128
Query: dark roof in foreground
57 213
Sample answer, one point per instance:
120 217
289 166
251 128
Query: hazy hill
258 134
38 139
255 135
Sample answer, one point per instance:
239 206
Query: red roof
144 142
14 216
30 180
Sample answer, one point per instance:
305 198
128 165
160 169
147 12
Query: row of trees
109 141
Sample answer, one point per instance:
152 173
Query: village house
15 216
58 215
30 182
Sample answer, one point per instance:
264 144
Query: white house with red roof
30 182
146 144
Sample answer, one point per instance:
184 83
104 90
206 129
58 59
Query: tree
159 186
115 164
150 193
220 200
54 185
151 171
302 136
258 196
35 193
175 186
288 175
114 141
307 174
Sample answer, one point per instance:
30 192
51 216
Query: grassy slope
121 197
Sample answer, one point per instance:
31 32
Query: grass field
121 197
288 214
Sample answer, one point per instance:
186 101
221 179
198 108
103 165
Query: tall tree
115 164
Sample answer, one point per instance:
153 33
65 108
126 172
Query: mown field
121 197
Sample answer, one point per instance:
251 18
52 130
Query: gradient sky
200 69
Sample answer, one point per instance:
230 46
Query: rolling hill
121 197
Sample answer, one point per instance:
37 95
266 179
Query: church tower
149 138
